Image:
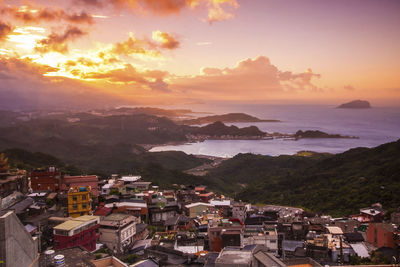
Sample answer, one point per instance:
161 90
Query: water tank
59 261
49 257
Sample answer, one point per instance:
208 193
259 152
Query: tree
4 166
132 258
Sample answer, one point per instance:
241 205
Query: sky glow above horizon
154 52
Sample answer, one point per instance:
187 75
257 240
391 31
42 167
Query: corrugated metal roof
334 230
268 259
71 224
291 245
86 218
68 225
360 249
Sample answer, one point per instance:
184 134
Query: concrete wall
17 247
109 261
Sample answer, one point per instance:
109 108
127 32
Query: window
83 206
83 197
74 198
74 207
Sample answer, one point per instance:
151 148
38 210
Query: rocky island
356 104
226 118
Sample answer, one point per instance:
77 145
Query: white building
239 211
117 231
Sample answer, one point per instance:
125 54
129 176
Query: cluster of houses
51 219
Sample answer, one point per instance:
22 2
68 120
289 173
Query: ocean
373 126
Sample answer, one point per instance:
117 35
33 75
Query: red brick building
381 235
80 231
46 180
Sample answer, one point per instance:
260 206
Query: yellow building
79 201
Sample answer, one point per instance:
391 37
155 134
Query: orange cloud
145 46
31 14
166 40
218 10
135 46
149 79
5 29
22 85
249 79
57 42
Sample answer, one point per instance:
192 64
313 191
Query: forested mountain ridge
337 184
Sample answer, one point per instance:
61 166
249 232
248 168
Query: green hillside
337 184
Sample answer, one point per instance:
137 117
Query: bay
373 126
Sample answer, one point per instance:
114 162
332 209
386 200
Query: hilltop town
50 218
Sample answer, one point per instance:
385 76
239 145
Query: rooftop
130 178
76 256
234 257
268 259
371 211
102 211
215 202
21 206
74 223
198 204
127 204
360 249
116 217
334 230
68 225
86 218
42 194
207 194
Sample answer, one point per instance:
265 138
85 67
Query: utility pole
40 239
283 248
341 251
119 238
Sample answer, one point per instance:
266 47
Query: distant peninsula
318 134
356 104
225 118
220 131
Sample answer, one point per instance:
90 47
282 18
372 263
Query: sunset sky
154 52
